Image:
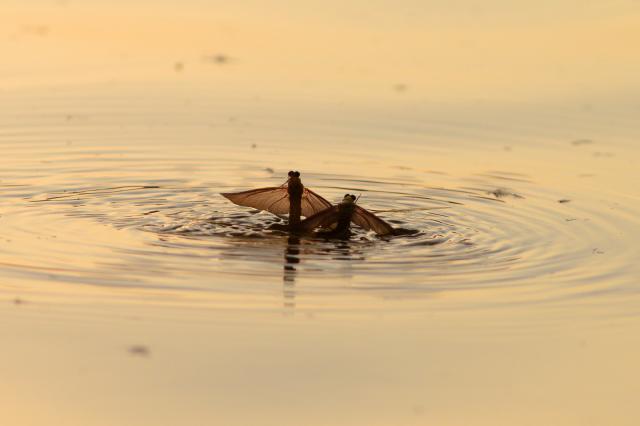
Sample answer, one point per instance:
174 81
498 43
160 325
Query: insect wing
273 199
313 203
369 221
324 219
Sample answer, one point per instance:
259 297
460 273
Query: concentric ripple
81 209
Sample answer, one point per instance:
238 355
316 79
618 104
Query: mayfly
289 198
341 215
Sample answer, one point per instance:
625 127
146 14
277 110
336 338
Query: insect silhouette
340 217
294 198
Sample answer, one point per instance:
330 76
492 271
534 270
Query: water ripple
150 217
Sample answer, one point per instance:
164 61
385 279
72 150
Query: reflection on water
291 259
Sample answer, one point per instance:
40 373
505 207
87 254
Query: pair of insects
296 200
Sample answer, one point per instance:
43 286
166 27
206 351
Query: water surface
135 294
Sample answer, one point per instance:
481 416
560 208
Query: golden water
507 135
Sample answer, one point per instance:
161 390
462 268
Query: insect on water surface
294 198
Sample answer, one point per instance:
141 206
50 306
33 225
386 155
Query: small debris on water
139 350
400 88
18 301
597 251
501 193
254 146
218 58
269 170
564 200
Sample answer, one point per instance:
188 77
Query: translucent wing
313 203
272 199
324 219
276 200
369 221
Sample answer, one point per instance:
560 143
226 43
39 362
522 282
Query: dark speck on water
501 193
218 58
564 200
400 88
139 350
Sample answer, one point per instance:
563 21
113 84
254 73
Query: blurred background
428 50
